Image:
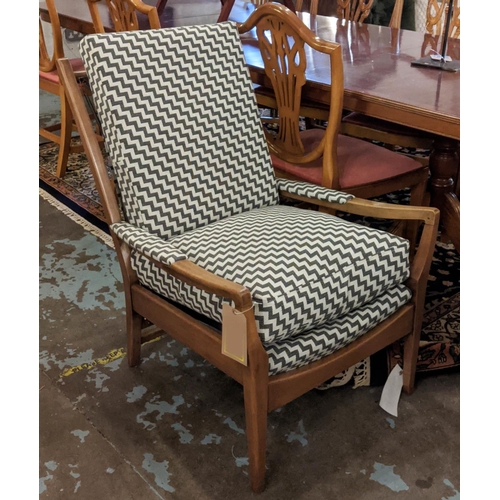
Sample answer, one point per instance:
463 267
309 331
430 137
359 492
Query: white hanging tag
392 391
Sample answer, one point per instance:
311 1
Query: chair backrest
123 14
436 14
284 40
181 125
357 10
46 61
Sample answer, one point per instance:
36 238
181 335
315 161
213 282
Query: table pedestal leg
444 164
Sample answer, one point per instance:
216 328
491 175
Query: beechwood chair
323 156
293 296
123 14
49 82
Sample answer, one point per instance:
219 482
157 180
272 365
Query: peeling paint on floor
160 471
80 434
384 474
211 438
185 436
456 494
298 436
92 271
161 407
136 394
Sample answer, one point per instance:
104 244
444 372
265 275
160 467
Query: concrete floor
174 426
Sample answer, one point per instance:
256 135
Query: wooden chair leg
255 389
66 129
417 198
134 331
410 355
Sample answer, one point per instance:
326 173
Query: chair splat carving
354 10
123 14
437 12
285 64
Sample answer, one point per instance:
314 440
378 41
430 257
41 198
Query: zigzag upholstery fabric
303 267
196 181
313 191
180 120
334 334
148 244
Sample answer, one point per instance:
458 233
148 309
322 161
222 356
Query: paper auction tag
392 391
234 334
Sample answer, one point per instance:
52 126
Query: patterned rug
440 340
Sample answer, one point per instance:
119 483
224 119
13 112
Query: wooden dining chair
352 10
49 82
323 156
277 297
355 10
123 14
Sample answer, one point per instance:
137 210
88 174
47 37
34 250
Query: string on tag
243 312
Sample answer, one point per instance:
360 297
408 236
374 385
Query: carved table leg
444 163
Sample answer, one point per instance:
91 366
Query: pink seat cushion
52 76
359 162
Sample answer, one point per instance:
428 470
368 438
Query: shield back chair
49 82
324 156
294 296
356 124
123 14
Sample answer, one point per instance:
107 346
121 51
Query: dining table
379 79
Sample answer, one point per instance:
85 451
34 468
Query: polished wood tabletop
379 79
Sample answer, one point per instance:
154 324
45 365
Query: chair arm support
147 244
360 206
312 191
166 256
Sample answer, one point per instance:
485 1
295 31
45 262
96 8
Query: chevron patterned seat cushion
303 268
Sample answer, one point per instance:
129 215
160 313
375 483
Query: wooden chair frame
356 10
262 393
286 98
123 14
46 64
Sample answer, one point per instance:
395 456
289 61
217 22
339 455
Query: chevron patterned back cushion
181 125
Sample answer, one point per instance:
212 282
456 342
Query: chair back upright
123 14
436 15
181 124
286 44
357 10
46 61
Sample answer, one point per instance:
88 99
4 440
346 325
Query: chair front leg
255 390
134 331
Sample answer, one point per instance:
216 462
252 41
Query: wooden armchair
292 296
123 14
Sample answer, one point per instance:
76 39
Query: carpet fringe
104 237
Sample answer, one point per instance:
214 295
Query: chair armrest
147 244
318 193
174 262
360 206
